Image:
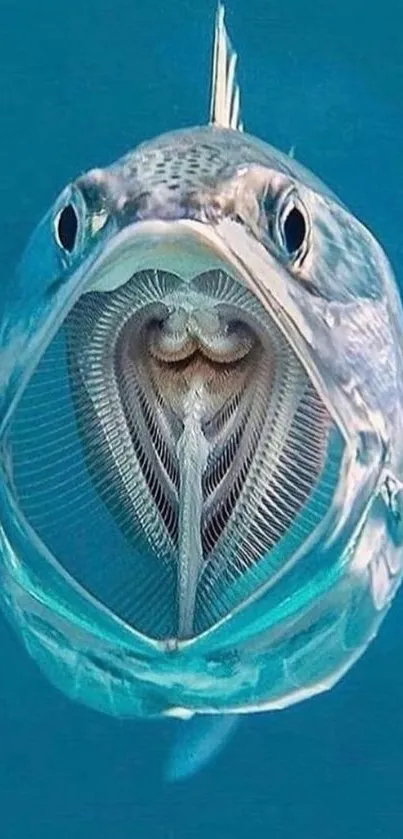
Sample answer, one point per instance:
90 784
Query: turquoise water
80 84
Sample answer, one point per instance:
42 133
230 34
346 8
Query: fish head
200 414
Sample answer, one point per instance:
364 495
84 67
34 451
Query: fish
201 432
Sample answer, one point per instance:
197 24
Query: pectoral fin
197 742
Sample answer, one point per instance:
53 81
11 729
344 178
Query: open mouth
170 449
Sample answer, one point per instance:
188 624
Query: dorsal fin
225 96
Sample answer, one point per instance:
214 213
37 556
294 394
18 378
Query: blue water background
81 83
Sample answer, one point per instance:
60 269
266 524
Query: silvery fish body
201 441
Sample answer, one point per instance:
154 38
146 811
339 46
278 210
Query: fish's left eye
66 228
294 230
289 225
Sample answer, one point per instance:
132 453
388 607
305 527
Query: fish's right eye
66 228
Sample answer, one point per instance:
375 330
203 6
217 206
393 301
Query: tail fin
225 94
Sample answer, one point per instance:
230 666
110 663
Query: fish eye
294 230
66 228
288 224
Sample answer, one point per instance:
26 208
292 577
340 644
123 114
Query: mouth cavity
179 453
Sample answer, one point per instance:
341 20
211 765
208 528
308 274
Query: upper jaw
186 248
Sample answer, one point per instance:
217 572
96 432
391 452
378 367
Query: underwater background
80 83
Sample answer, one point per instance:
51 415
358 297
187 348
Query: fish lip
181 246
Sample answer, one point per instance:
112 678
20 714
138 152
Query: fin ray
225 93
